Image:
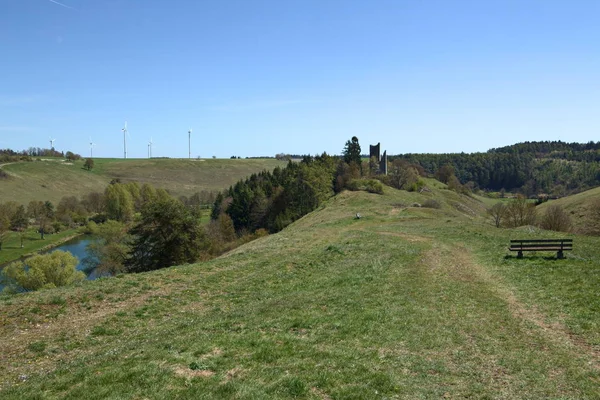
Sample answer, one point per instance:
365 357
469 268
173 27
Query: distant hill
51 179
556 168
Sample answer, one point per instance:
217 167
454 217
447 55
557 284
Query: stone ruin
375 151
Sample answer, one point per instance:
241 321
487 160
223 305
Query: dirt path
457 262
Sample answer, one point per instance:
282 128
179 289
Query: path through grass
403 303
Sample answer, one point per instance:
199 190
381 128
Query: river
78 247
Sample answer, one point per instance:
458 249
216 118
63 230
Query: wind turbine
150 148
190 143
124 129
52 143
92 144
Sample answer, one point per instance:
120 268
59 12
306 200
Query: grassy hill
576 205
406 302
52 179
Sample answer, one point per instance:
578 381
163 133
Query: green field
32 243
406 302
55 178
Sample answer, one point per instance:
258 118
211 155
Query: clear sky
260 77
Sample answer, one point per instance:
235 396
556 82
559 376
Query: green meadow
406 302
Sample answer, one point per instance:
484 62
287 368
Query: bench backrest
549 243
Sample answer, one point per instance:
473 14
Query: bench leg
520 254
560 255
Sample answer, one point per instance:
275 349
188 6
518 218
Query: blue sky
259 77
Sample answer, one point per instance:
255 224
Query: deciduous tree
497 212
89 164
110 250
19 222
520 212
4 229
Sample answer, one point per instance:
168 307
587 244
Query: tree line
552 168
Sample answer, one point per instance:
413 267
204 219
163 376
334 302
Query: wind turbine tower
92 144
52 143
150 148
190 143
125 139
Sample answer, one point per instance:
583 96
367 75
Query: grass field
406 302
32 242
54 178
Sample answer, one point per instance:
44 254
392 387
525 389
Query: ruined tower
375 151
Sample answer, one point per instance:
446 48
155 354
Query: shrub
42 271
57 226
431 203
417 186
556 219
99 218
368 185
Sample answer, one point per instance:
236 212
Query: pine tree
352 151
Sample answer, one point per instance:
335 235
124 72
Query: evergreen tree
168 234
217 206
352 151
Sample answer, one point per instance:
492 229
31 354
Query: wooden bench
558 245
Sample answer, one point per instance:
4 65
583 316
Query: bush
90 228
431 203
556 219
368 185
99 218
417 186
57 226
42 271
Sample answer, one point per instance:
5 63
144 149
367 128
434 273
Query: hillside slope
406 302
53 179
576 205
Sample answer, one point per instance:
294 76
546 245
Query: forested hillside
550 167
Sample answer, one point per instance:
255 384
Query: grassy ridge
406 302
53 179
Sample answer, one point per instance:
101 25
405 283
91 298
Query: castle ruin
375 151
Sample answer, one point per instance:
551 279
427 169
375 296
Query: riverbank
33 244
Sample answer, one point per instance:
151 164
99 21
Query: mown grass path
403 303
